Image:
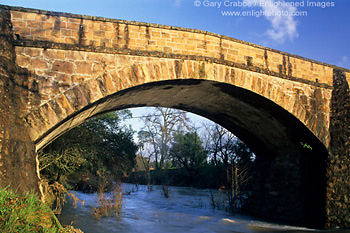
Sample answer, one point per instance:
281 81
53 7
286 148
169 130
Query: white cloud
177 3
283 24
345 62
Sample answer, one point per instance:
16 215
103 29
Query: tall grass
109 205
56 196
26 213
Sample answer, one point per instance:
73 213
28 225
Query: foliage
207 177
167 138
306 146
27 214
143 163
225 148
158 132
100 143
61 161
186 150
227 151
99 146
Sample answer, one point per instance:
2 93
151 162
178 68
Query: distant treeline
208 176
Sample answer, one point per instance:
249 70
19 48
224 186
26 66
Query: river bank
26 213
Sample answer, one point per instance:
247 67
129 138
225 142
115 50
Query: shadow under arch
289 180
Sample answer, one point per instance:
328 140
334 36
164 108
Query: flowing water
186 210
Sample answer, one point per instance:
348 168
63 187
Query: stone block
17 15
74 20
155 34
109 35
54 54
22 61
107 27
34 24
19 24
76 98
95 26
61 23
109 84
30 16
97 68
77 79
165 71
93 56
75 56
37 63
50 116
73 26
156 71
66 32
63 78
98 34
24 32
83 67
32 52
64 105
59 112
91 90
63 67
36 121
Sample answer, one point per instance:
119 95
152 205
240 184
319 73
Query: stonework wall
17 150
338 170
88 31
65 38
65 75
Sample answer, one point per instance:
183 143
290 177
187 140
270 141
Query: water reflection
186 210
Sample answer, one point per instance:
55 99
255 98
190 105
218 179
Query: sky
314 29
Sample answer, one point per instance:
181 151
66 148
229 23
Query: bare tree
233 155
145 154
158 131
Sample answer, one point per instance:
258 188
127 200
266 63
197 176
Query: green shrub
26 214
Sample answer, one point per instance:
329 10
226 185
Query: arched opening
289 177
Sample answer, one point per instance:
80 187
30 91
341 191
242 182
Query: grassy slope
26 214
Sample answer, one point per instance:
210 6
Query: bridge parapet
70 31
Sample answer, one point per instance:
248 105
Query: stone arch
291 96
65 62
253 106
272 114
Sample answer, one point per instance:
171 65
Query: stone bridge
59 69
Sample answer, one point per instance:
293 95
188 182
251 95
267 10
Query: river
186 210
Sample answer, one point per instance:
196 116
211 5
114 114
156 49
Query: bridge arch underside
288 183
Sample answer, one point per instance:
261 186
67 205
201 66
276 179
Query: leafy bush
27 214
99 144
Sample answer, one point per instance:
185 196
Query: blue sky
322 32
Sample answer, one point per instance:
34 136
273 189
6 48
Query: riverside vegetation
99 146
26 213
101 149
170 151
